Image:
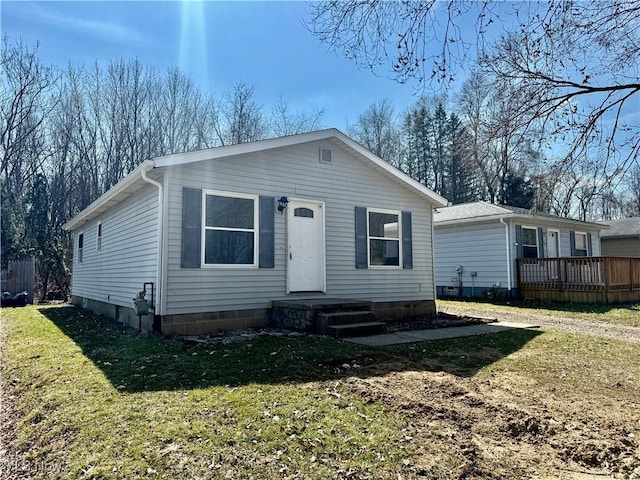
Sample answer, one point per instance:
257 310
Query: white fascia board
110 197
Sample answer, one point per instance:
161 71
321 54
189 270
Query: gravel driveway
572 325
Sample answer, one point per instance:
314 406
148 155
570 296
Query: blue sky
263 44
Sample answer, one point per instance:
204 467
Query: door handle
290 256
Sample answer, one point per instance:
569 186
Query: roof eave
110 196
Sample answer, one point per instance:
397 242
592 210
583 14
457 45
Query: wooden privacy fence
580 279
19 276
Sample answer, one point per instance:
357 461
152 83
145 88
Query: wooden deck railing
607 278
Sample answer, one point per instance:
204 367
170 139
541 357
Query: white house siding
477 248
297 173
127 258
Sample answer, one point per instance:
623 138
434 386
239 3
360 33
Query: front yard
95 400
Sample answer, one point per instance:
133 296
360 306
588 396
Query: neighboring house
221 233
622 239
476 245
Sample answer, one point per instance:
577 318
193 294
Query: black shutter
541 243
361 237
407 245
266 242
589 245
519 241
572 242
191 227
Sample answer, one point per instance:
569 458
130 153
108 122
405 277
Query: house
476 245
622 239
211 238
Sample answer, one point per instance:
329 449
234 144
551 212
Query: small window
80 247
529 242
303 212
384 238
581 245
99 237
230 229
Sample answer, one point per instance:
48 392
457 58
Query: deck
605 280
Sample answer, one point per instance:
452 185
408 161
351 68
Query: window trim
99 236
535 229
575 244
397 213
80 248
255 229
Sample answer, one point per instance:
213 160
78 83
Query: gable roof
484 211
135 180
623 228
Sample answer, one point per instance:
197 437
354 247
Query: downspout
433 259
159 289
508 251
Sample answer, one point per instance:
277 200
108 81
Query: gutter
508 252
159 290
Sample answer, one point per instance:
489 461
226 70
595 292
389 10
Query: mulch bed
439 320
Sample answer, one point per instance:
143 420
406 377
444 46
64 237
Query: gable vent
325 155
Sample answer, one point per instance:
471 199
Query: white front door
305 256
553 251
552 244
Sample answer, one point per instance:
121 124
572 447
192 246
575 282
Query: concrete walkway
413 336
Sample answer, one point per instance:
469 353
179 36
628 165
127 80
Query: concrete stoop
339 318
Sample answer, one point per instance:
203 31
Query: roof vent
325 155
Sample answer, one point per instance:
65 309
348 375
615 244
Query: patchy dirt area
501 427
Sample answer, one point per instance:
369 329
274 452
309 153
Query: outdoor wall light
282 204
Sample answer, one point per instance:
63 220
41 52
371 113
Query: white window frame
99 236
80 249
255 229
398 213
535 229
586 244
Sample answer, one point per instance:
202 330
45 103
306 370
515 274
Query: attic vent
325 155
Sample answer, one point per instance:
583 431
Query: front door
305 256
553 251
552 244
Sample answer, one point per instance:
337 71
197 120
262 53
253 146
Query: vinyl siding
477 248
127 258
621 247
297 173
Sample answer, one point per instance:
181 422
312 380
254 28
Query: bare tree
27 97
285 122
239 117
416 40
377 129
577 61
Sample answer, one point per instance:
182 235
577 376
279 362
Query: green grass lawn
625 314
98 400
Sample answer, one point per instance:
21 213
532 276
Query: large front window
230 229
529 242
384 238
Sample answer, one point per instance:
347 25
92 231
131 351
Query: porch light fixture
282 204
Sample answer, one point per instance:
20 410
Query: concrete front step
356 329
326 319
